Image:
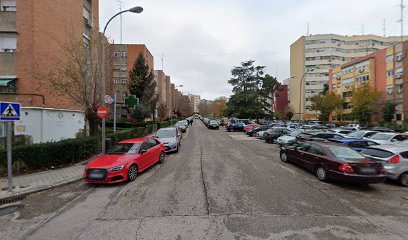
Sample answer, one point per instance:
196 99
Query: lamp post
300 89
132 10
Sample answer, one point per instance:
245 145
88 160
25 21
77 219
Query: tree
205 107
252 90
366 104
185 108
142 84
289 115
389 112
219 106
326 104
161 111
78 76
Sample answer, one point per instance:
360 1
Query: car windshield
295 133
124 148
381 136
213 122
180 124
166 133
357 134
345 153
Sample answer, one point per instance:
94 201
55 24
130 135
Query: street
221 185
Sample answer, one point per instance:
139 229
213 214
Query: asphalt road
228 186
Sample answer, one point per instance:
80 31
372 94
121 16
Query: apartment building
124 57
382 70
32 34
312 56
280 100
194 102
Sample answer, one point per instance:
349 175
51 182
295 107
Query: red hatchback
125 160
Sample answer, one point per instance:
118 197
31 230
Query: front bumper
356 178
170 147
108 176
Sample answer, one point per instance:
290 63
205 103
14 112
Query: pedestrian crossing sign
10 111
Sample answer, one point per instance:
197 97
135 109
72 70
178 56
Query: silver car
288 139
170 137
388 138
394 157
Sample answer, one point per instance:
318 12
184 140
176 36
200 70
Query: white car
361 134
353 126
388 138
288 139
341 131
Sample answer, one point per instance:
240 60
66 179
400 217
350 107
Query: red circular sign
102 112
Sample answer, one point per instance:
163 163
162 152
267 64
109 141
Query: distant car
334 162
355 143
213 124
257 129
341 131
272 134
318 136
248 127
394 158
387 138
182 126
259 135
170 137
237 124
125 160
382 129
361 134
353 126
288 139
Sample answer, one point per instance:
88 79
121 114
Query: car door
144 156
314 155
299 153
154 151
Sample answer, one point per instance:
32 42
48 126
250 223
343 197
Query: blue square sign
10 111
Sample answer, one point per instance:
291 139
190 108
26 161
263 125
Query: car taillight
269 134
346 168
394 160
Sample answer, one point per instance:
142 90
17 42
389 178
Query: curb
23 194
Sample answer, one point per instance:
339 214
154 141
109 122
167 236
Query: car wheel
163 157
284 157
321 173
403 179
132 173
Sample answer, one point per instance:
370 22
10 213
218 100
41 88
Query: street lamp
132 10
300 89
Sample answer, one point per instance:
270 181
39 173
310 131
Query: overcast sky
203 39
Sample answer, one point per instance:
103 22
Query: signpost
9 112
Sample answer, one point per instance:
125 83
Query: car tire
132 173
284 157
163 157
321 173
403 179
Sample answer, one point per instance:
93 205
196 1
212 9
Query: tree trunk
93 121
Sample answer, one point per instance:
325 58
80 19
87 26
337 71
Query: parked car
382 129
387 138
361 134
355 143
330 161
394 158
259 135
318 136
170 137
213 124
255 130
236 124
272 134
353 126
182 126
342 131
250 126
125 160
288 139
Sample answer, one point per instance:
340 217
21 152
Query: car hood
167 140
111 160
286 138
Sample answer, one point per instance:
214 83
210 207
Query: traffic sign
10 111
109 99
102 112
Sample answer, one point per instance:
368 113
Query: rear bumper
356 178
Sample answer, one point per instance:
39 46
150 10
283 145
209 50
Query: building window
8 42
390 89
398 117
390 58
8 5
399 88
116 54
123 54
390 73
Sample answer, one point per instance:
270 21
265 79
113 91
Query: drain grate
11 200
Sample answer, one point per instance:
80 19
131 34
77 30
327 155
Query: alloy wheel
321 173
404 179
132 174
284 157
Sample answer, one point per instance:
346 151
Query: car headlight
117 168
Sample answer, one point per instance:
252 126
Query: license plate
367 170
96 175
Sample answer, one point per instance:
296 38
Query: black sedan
330 161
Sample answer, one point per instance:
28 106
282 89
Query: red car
249 127
125 160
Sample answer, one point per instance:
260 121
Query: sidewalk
35 182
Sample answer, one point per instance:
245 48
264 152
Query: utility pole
162 60
121 20
384 28
402 6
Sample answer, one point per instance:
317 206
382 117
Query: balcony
8 21
8 63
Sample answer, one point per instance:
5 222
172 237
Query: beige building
194 102
312 56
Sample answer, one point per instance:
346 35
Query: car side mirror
143 151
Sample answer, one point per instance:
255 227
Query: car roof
391 133
347 140
391 148
168 128
135 140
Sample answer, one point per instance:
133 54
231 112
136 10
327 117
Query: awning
5 80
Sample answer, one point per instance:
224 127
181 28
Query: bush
397 127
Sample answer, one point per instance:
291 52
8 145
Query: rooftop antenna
120 2
308 29
162 60
384 28
402 6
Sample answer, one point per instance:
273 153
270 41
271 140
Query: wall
47 124
297 69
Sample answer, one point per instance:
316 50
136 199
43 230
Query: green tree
252 91
389 112
142 84
326 104
289 115
366 103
